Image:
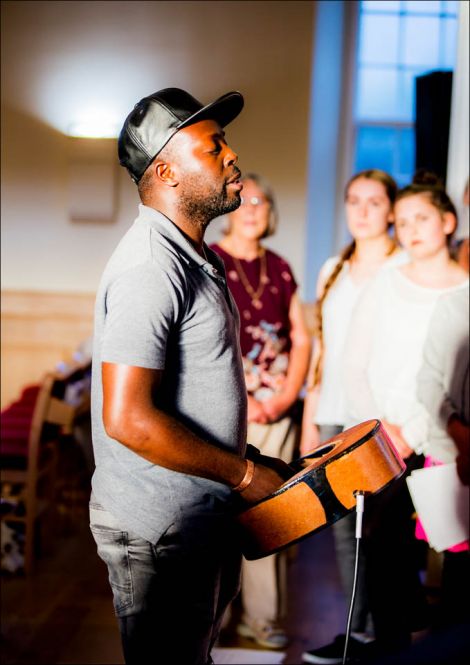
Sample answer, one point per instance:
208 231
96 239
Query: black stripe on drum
320 486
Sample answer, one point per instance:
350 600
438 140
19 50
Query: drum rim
293 482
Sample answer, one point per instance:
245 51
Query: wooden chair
29 444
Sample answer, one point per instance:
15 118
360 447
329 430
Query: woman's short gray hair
268 193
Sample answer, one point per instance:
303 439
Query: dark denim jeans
170 596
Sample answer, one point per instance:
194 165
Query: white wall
458 157
58 56
330 136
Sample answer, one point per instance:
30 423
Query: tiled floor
63 612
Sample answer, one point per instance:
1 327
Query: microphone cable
359 494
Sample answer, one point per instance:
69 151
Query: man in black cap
168 392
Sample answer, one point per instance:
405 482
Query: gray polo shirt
162 306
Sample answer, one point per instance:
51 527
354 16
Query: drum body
361 458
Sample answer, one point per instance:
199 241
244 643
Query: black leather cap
156 118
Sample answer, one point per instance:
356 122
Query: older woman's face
251 219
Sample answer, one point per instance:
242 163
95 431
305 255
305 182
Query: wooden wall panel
40 329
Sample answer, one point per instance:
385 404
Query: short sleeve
140 312
288 281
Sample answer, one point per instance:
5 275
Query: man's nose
230 157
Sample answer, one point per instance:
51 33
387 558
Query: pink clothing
420 533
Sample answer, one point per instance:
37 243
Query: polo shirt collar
169 230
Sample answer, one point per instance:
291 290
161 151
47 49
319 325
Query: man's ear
165 174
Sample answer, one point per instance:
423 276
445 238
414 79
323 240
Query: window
398 40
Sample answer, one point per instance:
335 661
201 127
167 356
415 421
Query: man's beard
200 207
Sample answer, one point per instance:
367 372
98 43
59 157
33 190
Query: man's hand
276 464
270 474
266 480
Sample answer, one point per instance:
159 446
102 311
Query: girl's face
421 228
250 221
368 209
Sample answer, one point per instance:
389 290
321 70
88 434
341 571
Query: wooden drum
361 458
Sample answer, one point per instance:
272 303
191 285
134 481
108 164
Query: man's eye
216 150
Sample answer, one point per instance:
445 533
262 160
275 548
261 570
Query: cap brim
223 110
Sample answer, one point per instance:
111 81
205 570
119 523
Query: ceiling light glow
94 125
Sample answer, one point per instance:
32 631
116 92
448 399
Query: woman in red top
275 345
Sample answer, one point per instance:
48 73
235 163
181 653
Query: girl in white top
383 356
369 197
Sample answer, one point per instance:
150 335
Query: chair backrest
61 405
48 410
34 427
43 411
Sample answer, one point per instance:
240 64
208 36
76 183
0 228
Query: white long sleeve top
443 380
336 315
384 352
